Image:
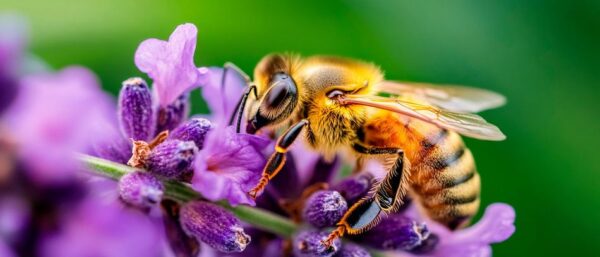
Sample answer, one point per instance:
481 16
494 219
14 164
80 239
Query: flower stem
182 192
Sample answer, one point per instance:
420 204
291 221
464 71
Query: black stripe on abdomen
440 163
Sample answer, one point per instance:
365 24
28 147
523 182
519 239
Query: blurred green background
543 55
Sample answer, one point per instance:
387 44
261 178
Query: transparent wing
468 124
450 97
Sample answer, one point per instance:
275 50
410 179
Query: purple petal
229 166
170 63
496 225
221 100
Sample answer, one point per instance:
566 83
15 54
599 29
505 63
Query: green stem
182 192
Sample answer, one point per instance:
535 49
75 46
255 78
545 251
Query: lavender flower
54 116
194 129
170 63
136 113
324 208
172 159
98 229
229 165
309 244
140 189
214 226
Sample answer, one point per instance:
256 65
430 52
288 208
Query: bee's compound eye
282 88
336 93
277 94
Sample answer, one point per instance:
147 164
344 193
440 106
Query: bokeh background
544 56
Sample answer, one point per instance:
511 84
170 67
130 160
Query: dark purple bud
181 244
172 159
117 150
352 250
354 188
194 129
310 244
140 189
214 226
324 208
427 245
136 111
395 232
170 116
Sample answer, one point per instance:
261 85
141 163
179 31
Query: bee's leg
362 149
239 109
366 213
277 159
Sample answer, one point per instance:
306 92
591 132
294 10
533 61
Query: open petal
229 165
170 63
221 93
496 225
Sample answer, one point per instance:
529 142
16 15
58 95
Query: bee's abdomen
446 181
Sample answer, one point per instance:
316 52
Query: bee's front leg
388 196
277 159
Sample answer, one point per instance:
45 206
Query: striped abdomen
445 179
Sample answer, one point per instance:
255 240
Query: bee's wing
468 124
449 97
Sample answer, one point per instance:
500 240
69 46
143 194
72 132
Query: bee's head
275 105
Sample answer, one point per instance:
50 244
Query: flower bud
310 244
395 232
214 226
352 250
140 189
324 208
172 159
170 116
136 112
354 188
427 245
194 129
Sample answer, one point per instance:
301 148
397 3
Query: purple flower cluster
54 209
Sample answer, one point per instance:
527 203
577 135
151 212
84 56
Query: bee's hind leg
277 159
388 196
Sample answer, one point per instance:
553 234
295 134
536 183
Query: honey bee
413 128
